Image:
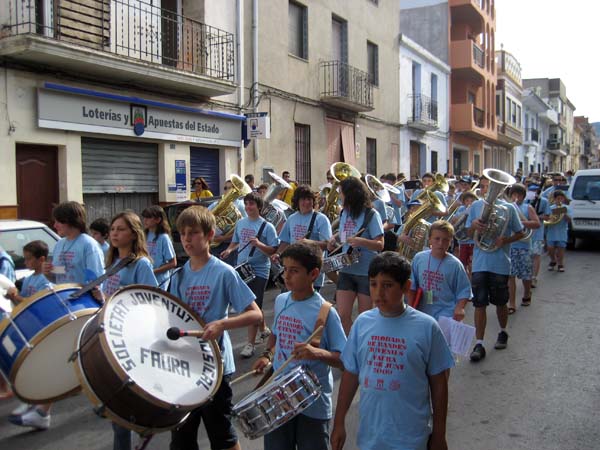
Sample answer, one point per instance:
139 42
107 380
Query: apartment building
589 141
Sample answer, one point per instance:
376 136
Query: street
540 393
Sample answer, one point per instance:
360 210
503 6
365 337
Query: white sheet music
459 336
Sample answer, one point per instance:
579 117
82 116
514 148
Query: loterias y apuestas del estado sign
98 114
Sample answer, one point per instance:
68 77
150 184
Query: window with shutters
302 139
298 30
434 161
373 63
372 156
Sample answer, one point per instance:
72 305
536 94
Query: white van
584 193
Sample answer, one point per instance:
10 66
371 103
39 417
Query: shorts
489 287
257 286
217 420
537 248
521 263
465 254
560 244
354 283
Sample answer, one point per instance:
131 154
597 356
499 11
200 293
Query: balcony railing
423 109
478 56
129 28
349 84
553 144
531 135
478 116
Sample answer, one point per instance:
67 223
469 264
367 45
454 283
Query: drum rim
35 340
123 375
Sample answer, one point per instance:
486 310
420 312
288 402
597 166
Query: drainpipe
255 67
239 51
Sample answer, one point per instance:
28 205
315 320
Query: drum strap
368 216
311 225
260 230
321 321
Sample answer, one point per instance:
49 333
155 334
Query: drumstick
338 248
175 333
247 374
289 360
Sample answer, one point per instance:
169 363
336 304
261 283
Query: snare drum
338 262
246 272
134 374
277 402
36 342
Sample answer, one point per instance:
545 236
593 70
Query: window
518 116
513 112
498 106
476 163
373 63
434 161
302 137
372 156
298 30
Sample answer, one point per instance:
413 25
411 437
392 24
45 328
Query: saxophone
417 228
225 212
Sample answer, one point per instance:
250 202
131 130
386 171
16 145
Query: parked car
14 234
584 193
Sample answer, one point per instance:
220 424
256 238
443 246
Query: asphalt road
540 393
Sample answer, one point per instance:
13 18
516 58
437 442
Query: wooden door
415 159
37 181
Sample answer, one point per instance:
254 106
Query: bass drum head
186 372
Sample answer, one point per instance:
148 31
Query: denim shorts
537 248
560 244
521 263
489 288
354 283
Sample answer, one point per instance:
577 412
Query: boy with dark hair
399 358
465 243
558 234
297 314
209 287
428 179
99 230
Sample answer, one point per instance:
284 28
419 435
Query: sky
556 39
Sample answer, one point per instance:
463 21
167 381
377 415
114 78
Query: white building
424 88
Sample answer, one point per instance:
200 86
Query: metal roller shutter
204 162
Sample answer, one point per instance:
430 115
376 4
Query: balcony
553 144
468 119
508 134
467 60
120 41
469 11
346 87
531 136
424 113
555 147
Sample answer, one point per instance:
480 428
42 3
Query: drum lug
99 410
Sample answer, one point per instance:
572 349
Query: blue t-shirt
523 244
137 272
497 261
398 210
161 251
104 246
7 265
295 322
462 209
560 231
81 257
33 284
380 208
296 227
348 228
543 209
393 358
246 229
445 278
209 292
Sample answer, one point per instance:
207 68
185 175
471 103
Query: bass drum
134 374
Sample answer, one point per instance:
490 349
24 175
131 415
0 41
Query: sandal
511 310
561 268
526 301
551 266
534 282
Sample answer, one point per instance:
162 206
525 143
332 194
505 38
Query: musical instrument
439 184
134 374
528 231
5 303
246 272
417 228
495 217
225 212
339 171
379 189
339 261
37 338
557 214
458 202
273 210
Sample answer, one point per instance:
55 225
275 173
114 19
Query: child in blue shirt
557 235
399 359
99 230
35 254
296 314
158 240
209 286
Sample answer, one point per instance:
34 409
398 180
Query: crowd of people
473 250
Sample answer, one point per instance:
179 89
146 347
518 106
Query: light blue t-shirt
380 208
104 247
497 261
294 322
523 244
137 272
209 292
393 358
445 278
560 231
81 257
398 210
439 195
349 226
543 209
161 251
7 266
34 284
461 210
296 227
246 229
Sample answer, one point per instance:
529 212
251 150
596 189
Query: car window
587 188
13 242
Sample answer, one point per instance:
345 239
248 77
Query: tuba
340 171
557 215
225 212
273 210
494 216
417 228
382 192
439 184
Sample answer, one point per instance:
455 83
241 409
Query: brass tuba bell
225 212
339 171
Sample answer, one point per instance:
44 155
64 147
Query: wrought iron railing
424 109
531 134
339 79
130 28
478 56
553 144
478 116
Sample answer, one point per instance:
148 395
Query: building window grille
302 143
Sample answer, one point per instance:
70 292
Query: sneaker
21 409
561 268
478 353
502 341
32 418
262 336
551 266
247 351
